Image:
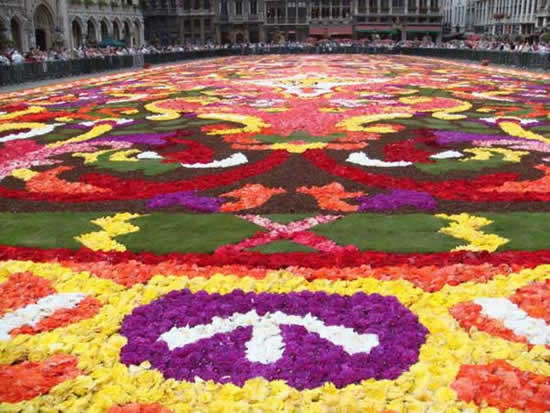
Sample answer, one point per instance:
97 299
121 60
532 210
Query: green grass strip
181 232
443 166
148 166
397 233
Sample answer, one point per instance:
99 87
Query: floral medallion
292 233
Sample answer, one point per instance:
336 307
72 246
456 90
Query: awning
340 31
423 29
376 29
318 31
331 31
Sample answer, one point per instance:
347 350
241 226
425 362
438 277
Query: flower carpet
277 234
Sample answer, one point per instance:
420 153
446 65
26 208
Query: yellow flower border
107 382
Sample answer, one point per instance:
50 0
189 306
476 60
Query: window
253 7
345 8
197 4
315 9
239 8
224 10
302 12
335 11
326 9
291 9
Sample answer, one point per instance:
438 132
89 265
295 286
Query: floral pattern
277 234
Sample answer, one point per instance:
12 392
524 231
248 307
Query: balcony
398 10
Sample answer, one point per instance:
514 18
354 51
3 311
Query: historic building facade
237 21
176 21
497 17
70 23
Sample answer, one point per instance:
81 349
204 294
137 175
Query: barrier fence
31 72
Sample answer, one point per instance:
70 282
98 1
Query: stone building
497 17
500 17
237 21
70 23
179 21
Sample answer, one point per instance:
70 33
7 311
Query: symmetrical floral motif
277 234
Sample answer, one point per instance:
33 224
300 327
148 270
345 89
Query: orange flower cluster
139 408
534 299
331 196
22 289
27 380
249 196
429 278
503 386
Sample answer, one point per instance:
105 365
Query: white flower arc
267 345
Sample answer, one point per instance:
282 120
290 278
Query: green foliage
397 233
147 166
164 233
443 166
46 229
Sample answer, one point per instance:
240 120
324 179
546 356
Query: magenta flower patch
305 338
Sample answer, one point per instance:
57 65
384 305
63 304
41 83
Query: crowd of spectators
13 57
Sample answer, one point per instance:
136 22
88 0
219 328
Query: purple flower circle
307 360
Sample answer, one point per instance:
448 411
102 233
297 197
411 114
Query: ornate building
172 21
236 21
497 17
510 16
70 23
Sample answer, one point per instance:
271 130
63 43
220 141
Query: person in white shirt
16 58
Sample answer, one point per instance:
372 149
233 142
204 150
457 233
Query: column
7 30
181 35
84 34
218 34
63 22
